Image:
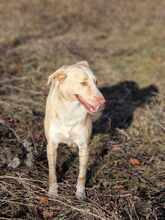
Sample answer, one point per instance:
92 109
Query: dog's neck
66 109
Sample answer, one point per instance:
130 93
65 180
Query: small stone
14 163
27 145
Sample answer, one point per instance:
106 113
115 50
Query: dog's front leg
83 161
52 157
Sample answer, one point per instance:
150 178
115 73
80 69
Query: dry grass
124 44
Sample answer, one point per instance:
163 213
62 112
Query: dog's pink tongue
89 107
93 109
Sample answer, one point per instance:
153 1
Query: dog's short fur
73 99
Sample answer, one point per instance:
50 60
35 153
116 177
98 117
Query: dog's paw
53 191
81 194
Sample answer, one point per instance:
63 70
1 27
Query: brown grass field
124 42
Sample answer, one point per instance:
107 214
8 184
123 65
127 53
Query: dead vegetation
124 43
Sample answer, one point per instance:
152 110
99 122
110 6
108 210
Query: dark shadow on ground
122 100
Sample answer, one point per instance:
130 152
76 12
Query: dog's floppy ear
58 75
83 63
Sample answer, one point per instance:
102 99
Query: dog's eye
84 83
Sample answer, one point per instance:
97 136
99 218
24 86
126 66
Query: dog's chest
64 129
64 132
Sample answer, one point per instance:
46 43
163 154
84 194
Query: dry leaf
134 162
43 200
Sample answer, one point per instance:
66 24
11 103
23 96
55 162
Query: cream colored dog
73 99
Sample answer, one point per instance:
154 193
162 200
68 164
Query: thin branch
7 80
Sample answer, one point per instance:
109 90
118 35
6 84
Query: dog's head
77 82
